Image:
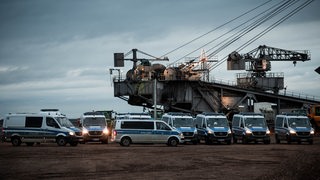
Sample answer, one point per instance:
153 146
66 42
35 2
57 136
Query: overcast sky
57 54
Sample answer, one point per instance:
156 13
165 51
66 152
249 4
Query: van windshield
299 122
217 122
94 121
183 122
64 122
255 122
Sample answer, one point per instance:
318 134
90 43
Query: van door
51 129
33 131
162 132
201 127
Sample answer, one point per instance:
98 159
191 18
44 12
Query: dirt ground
154 161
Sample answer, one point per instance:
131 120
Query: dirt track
111 161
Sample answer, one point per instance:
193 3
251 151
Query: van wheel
104 141
229 142
173 141
311 141
277 139
235 140
16 141
29 143
61 141
288 140
126 141
244 140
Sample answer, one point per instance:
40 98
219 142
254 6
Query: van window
162 126
137 125
259 122
197 122
166 119
35 122
51 122
298 122
236 121
279 121
217 122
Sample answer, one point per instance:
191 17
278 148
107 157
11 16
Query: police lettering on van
127 132
36 128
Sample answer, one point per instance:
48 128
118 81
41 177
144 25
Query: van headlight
210 132
106 131
248 131
71 133
84 131
312 131
292 131
181 135
229 131
268 132
195 131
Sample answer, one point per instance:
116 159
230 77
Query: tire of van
311 141
235 140
244 140
61 141
16 141
277 139
104 142
173 141
266 142
125 141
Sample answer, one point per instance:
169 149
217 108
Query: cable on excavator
269 28
259 19
197 38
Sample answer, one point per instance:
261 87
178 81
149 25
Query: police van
33 128
184 123
63 121
127 132
213 127
292 127
250 127
94 127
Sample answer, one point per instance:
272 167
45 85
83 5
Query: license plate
95 139
220 140
259 140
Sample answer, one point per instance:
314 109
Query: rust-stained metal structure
182 89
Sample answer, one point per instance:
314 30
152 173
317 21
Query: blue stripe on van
28 131
147 132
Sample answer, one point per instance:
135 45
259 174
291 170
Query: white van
63 121
184 123
145 131
94 127
36 128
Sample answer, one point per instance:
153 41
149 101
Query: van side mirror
196 125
